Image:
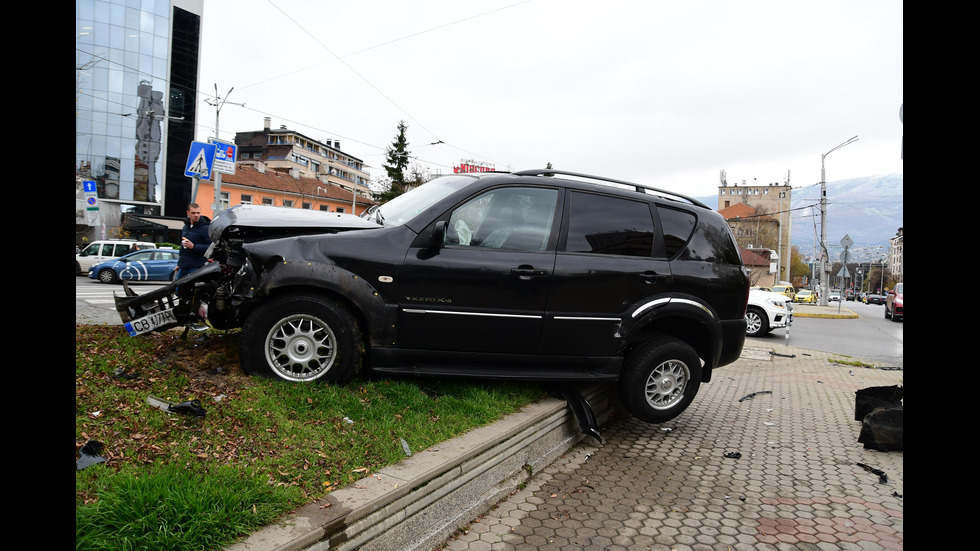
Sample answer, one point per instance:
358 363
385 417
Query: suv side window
677 227
609 225
505 218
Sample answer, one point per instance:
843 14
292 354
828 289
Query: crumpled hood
263 222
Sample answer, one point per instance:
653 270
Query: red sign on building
466 166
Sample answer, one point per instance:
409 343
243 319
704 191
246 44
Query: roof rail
641 188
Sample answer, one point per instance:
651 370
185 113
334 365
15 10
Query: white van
100 251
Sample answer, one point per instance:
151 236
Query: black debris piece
733 455
882 477
580 408
89 455
868 399
754 394
884 430
190 407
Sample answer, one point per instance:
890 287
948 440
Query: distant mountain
869 210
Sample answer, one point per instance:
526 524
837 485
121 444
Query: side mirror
438 234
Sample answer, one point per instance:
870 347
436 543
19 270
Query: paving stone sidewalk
767 457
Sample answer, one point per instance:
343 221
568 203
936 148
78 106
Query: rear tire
660 380
301 339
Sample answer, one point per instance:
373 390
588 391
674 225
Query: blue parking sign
200 160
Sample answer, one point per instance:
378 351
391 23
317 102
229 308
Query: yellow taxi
787 290
805 296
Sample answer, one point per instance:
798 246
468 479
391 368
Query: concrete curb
828 312
419 502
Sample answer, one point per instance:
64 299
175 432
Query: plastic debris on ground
190 407
89 455
754 394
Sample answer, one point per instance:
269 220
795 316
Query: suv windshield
406 206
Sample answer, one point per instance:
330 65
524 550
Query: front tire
756 322
107 276
660 380
301 339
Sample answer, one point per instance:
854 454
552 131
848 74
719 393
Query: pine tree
395 165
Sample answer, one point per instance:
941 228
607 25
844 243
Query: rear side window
609 225
677 227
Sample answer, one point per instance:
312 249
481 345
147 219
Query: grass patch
855 363
263 447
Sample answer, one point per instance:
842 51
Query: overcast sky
662 92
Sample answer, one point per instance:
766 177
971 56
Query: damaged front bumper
178 304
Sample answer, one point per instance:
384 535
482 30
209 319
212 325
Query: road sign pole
195 183
217 195
224 163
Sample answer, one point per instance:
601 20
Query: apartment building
896 256
287 151
768 222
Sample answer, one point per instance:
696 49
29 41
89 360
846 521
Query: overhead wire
371 84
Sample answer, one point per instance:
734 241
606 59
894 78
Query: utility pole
218 104
824 253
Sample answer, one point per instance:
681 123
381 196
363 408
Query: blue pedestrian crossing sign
224 156
200 160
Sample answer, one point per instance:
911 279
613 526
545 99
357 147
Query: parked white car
766 311
100 251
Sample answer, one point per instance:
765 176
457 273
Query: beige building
288 151
771 201
896 256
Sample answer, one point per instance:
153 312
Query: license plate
150 322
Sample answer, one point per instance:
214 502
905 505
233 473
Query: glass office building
136 74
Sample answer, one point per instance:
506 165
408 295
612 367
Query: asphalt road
94 304
870 336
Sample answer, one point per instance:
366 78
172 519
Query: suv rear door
485 290
608 261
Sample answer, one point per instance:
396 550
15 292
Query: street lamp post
824 253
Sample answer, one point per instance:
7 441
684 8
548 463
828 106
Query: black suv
537 275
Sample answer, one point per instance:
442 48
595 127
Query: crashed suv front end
218 293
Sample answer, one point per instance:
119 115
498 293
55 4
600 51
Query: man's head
193 212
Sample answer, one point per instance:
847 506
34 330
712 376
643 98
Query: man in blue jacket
194 241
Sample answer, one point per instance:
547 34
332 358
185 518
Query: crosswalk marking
96 296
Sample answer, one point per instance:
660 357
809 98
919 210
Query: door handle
527 272
654 277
